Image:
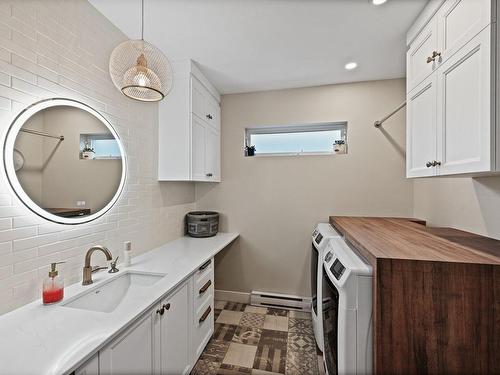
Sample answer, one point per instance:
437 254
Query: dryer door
330 324
314 278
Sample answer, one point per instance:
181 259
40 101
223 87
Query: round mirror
64 161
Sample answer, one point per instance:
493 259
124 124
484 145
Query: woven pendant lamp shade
140 71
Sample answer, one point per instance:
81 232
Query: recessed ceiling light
378 2
351 65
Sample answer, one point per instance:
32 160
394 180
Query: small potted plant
339 146
249 150
88 152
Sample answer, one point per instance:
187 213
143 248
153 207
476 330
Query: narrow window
306 139
102 146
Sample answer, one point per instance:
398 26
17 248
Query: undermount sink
107 296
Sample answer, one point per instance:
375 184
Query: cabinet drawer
203 327
205 269
203 290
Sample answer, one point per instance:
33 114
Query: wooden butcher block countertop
393 238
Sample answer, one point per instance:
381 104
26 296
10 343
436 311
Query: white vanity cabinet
451 121
203 307
169 338
189 128
172 349
133 351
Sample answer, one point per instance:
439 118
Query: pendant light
140 70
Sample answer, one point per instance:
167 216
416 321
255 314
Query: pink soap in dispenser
53 286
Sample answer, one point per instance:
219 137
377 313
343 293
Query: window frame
296 128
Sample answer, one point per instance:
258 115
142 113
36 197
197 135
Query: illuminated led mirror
65 161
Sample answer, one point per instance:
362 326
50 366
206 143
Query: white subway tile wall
60 49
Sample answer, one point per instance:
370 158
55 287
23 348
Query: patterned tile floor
260 341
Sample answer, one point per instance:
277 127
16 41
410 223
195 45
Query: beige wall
274 202
470 204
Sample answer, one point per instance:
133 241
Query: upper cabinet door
198 98
212 160
458 22
418 65
212 112
421 129
464 102
198 149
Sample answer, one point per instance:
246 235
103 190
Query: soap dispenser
53 286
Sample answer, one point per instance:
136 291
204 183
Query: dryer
320 237
347 310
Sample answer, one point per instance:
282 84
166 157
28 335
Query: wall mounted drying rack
379 123
43 134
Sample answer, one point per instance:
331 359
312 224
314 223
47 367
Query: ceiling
244 45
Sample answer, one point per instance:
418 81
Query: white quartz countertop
38 339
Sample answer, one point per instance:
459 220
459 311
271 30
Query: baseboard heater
282 301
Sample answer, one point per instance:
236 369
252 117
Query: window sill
272 154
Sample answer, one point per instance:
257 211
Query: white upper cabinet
451 122
419 58
189 118
421 130
464 109
458 22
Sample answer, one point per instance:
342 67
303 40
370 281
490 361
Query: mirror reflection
67 161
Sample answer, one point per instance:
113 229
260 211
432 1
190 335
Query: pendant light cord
142 20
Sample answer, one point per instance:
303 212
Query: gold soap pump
53 286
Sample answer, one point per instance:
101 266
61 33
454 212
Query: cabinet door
174 333
458 22
198 98
464 103
213 111
198 149
417 67
212 156
91 367
421 129
132 352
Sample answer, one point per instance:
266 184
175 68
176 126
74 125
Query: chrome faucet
88 269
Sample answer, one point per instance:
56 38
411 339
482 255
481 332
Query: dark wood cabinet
436 302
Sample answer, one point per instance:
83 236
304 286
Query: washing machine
346 310
320 236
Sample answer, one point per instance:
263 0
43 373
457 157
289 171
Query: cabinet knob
161 311
428 164
436 163
209 174
432 58
166 306
209 116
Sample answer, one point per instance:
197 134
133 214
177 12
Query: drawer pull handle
205 287
205 314
205 265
